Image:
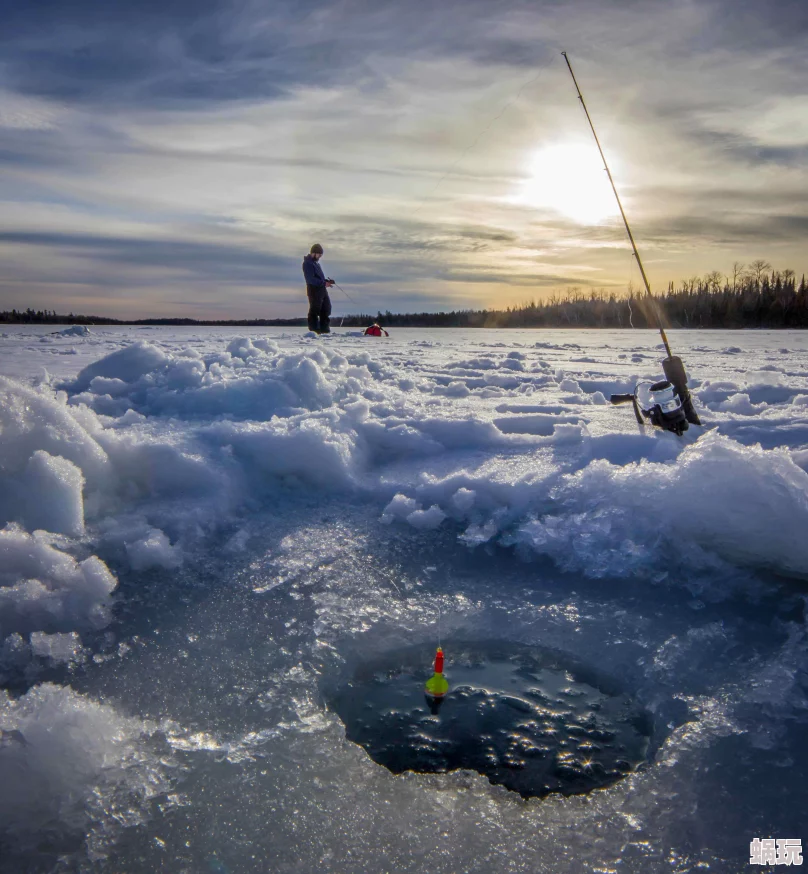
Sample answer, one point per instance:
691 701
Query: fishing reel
657 403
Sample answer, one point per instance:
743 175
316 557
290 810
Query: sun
570 179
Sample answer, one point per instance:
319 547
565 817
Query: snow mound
758 389
719 501
75 331
427 519
153 550
57 648
744 505
69 768
45 589
127 364
32 420
741 405
53 497
47 460
251 380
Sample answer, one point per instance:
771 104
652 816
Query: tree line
752 296
51 317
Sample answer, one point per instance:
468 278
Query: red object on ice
439 661
375 331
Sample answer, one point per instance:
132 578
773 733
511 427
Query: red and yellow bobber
437 685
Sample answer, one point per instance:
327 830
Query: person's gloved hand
329 283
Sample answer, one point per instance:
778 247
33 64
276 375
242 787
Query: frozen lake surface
207 531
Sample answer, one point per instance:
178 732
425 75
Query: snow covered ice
202 531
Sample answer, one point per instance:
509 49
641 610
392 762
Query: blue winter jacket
315 277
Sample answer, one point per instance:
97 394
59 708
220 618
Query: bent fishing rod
672 365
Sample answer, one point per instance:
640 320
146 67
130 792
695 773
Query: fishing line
351 299
353 561
389 579
384 573
342 321
630 288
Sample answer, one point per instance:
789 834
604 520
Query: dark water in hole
528 719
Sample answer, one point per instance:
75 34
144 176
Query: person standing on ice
317 286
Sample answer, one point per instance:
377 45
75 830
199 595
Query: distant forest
754 296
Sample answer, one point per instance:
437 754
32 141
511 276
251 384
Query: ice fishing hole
527 718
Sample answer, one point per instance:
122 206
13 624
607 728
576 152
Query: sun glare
570 179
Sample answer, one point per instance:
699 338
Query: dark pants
319 309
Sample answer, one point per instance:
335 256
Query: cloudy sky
156 159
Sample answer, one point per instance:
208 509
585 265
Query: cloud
155 53
91 52
204 260
171 152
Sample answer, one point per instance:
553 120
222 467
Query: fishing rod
620 207
351 299
672 365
